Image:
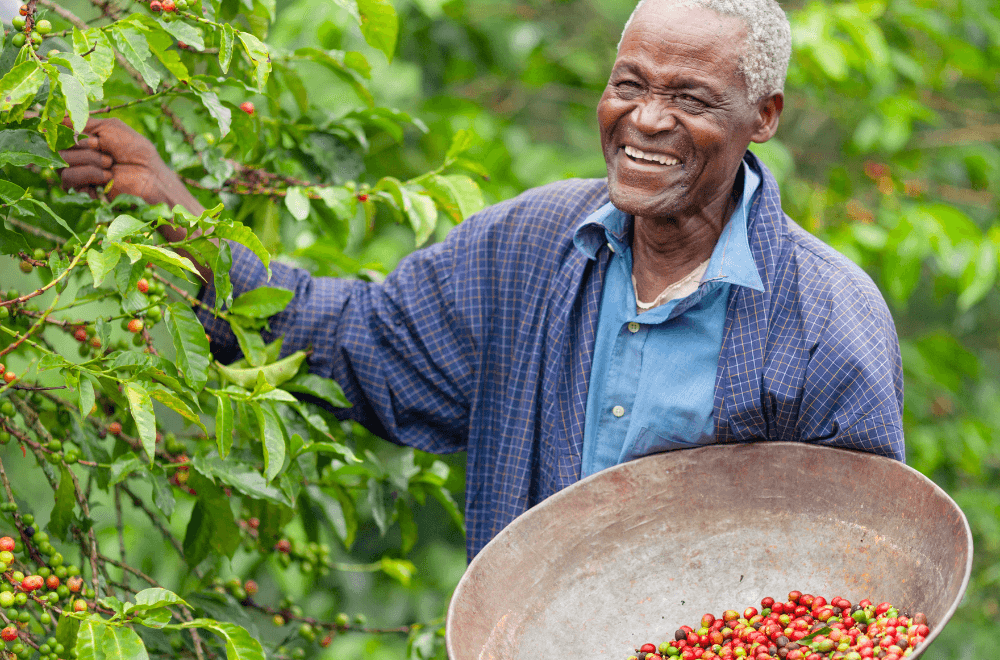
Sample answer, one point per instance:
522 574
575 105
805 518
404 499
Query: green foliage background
888 149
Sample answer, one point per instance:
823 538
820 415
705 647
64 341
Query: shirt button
633 327
618 411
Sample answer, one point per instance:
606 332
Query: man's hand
113 152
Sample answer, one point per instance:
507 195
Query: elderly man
590 322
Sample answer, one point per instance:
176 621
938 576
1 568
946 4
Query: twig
153 518
55 280
134 571
121 532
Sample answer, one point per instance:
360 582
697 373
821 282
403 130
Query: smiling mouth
640 155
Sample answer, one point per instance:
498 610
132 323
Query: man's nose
654 116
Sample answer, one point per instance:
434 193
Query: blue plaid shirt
483 342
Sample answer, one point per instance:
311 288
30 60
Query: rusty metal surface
628 555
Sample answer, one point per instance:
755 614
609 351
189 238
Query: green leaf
400 569
190 344
20 84
76 100
220 275
171 400
66 631
141 407
457 194
226 47
250 343
156 618
239 644
24 147
245 237
166 258
85 392
319 387
82 72
274 374
88 639
460 142
151 599
979 276
211 526
273 438
242 477
379 25
161 45
407 525
101 57
259 56
122 643
377 502
184 31
224 424
102 263
340 511
262 302
123 467
62 511
132 44
421 212
297 203
123 226
222 115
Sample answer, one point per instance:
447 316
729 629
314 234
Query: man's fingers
83 176
77 157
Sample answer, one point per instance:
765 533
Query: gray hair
764 62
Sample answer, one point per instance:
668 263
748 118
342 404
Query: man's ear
770 108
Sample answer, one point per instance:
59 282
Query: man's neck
664 250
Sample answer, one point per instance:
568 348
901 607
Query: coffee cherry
135 325
7 543
80 334
95 341
250 587
247 107
26 267
8 634
155 5
4 313
283 546
32 582
325 642
18 22
362 197
81 605
43 27
8 410
9 376
52 582
115 428
75 583
142 285
168 5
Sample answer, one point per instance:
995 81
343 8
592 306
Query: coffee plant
111 398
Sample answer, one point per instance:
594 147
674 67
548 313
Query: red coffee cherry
135 326
142 285
8 634
7 543
247 107
115 428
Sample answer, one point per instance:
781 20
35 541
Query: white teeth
656 158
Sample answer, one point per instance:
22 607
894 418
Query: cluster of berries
26 35
806 627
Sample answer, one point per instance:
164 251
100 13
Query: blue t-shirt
652 384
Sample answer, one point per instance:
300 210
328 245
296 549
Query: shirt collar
731 261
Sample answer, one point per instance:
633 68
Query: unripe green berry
28 519
43 27
18 22
40 537
20 599
56 560
18 40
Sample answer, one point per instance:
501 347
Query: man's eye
627 84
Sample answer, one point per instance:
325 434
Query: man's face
674 118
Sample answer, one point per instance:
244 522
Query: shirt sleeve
853 394
399 350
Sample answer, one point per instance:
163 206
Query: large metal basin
628 555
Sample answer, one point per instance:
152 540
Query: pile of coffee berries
806 627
